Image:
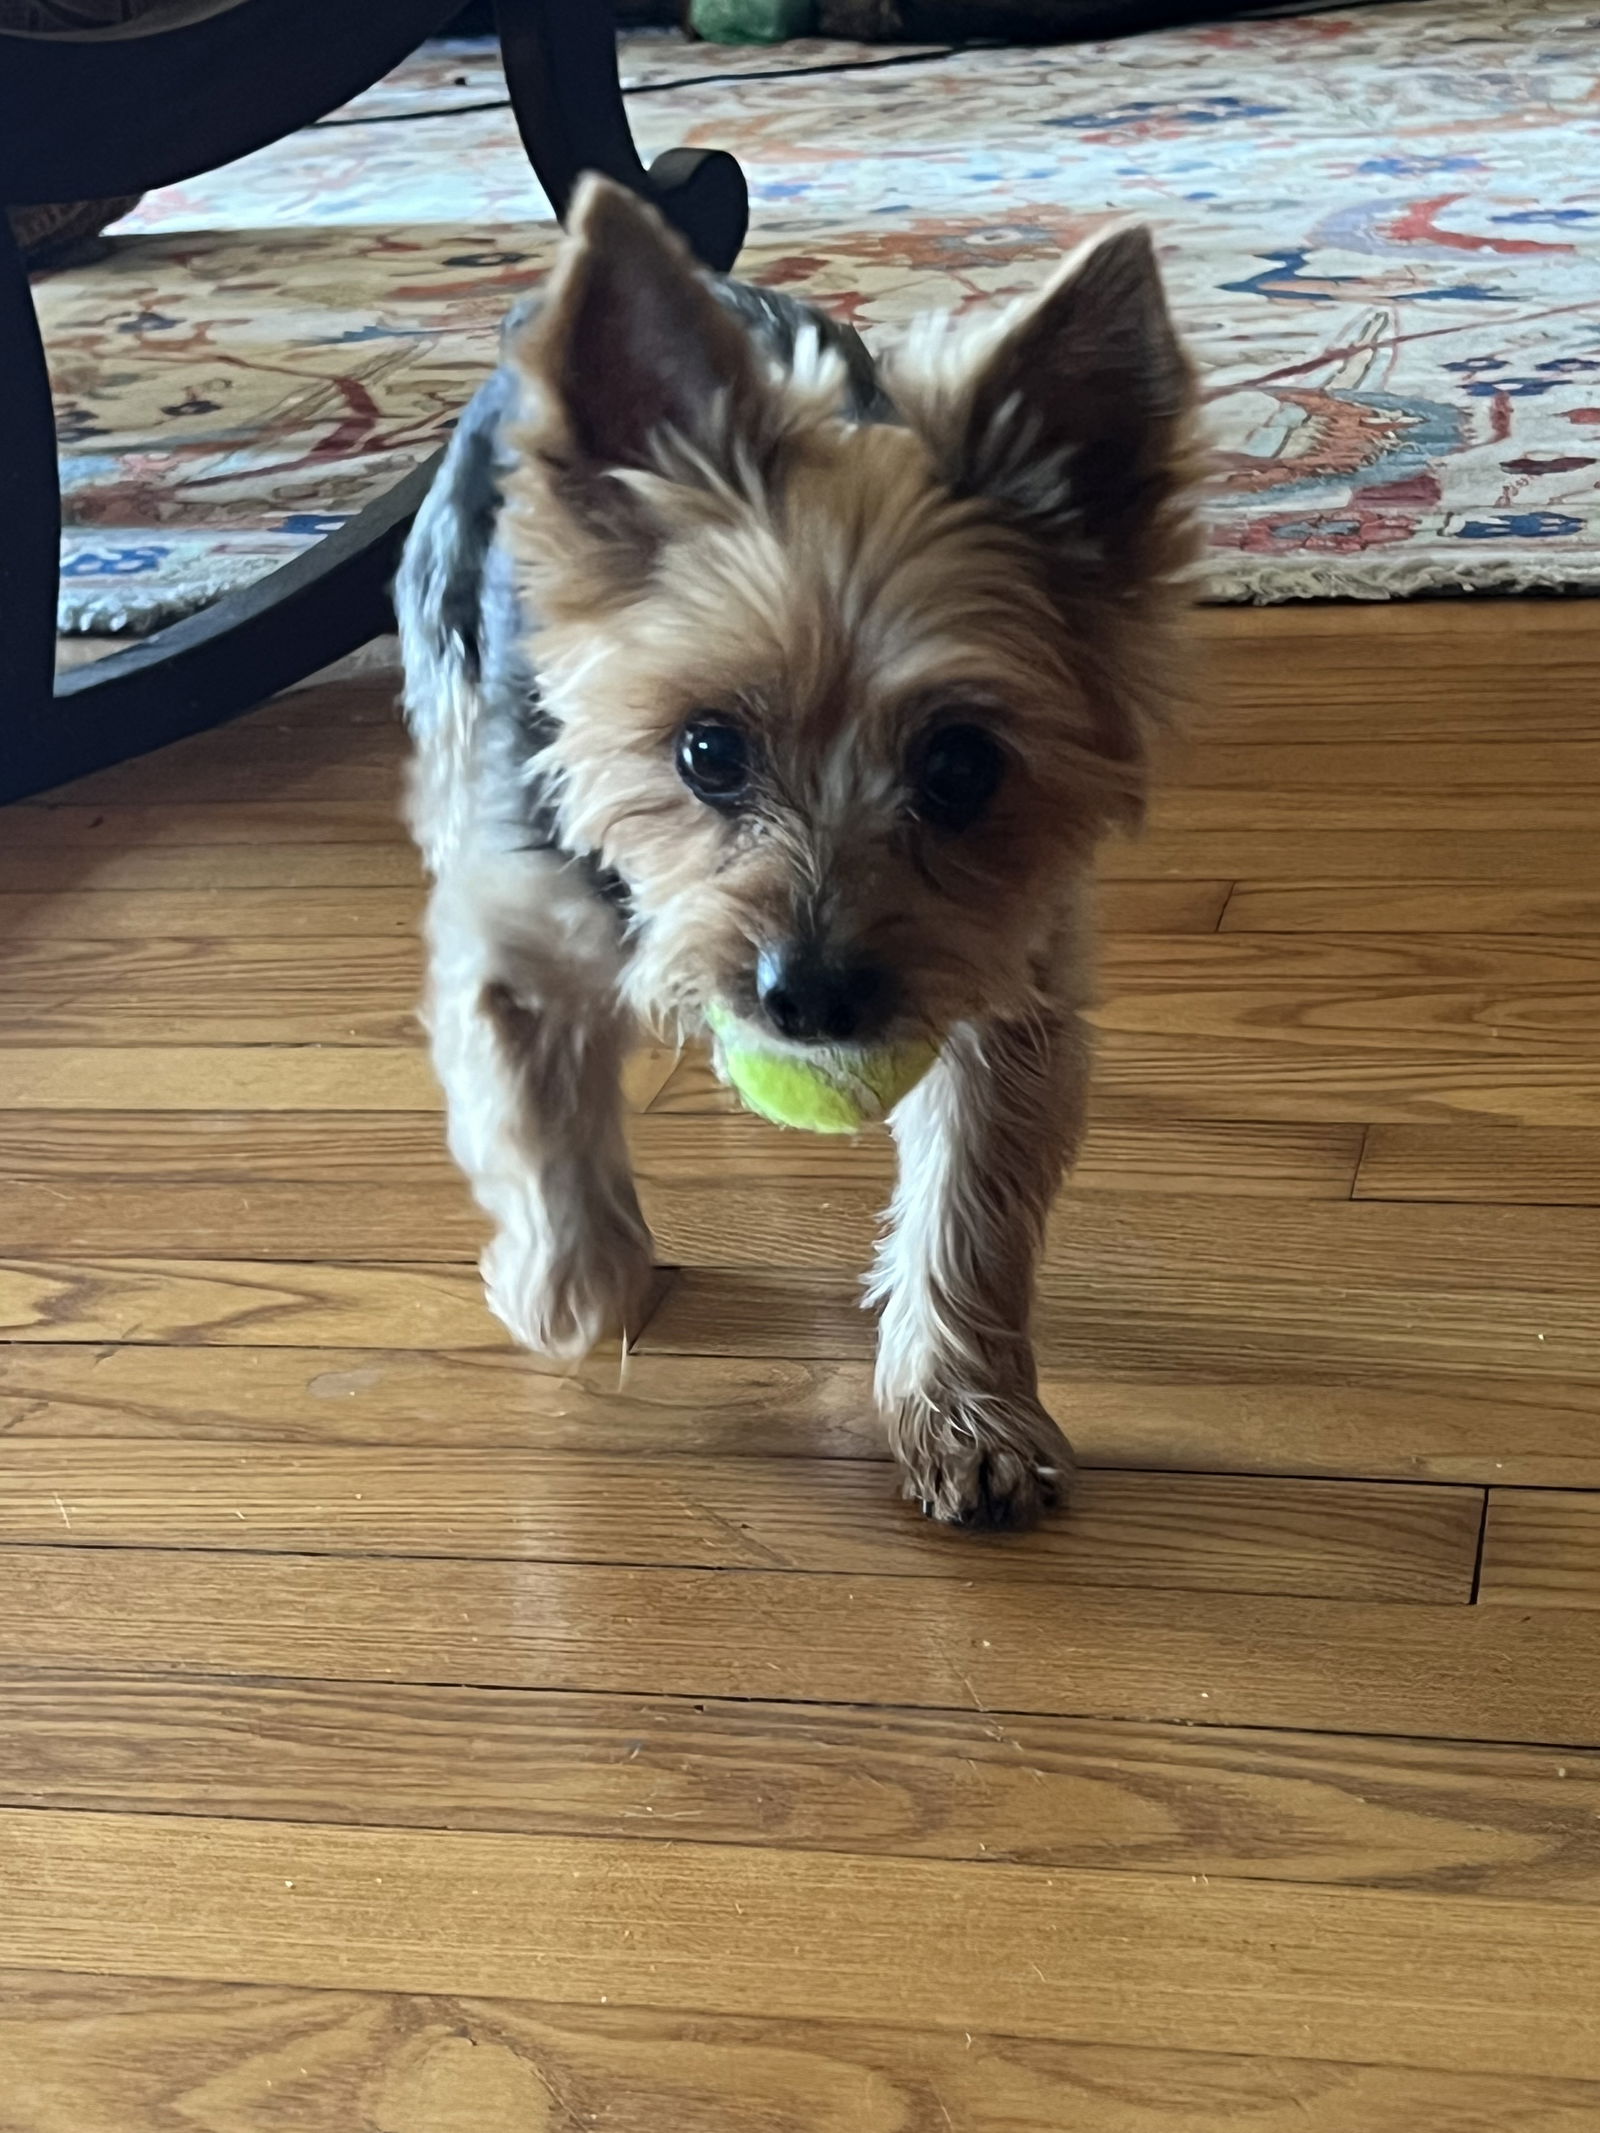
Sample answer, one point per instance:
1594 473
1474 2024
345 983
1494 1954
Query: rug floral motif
1381 230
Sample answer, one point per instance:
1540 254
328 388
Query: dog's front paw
988 1461
562 1298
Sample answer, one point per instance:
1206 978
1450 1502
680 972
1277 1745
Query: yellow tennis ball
837 1090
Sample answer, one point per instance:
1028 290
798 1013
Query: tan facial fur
698 535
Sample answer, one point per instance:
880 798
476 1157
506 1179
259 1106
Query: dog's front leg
528 1041
983 1142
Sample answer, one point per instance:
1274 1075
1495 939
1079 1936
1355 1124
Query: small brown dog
748 673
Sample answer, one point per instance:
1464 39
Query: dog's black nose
815 998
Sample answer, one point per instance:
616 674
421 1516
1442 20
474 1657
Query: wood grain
212 1183
1143 1961
947 1643
1407 673
433 1396
1448 1817
215 913
1456 994
223 1077
135 2055
1410 907
1161 906
246 1302
396 1149
31 865
1548 1166
345 992
1242 1287
1472 1430
1132 1284
234 1077
1552 857
1283 1076
695 1130
403 1699
266 760
1188 1080
1359 1540
1541 1548
1494 786
85 828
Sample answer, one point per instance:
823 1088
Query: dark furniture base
155 106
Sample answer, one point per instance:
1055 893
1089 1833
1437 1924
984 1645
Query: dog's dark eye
714 761
956 775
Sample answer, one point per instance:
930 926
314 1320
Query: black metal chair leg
30 516
561 67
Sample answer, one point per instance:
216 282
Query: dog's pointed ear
632 361
1074 418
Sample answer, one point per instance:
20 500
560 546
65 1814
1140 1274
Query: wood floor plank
1541 1548
87 827
284 1194
250 1302
1226 1803
691 1134
344 992
1189 1080
214 913
1410 673
1142 1961
132 2055
1496 786
669 1146
1184 1081
432 1220
431 1396
703 1132
255 764
1223 961
1475 1430
341 1645
67 908
171 1147
1455 994
1551 857
244 1077
34 867
1131 1283
1482 1165
1356 1540
1458 994
1249 1287
1293 1078
223 1077
1078 1651
1403 906
1161 906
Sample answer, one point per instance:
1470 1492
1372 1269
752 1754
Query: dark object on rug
62 233
477 18
147 105
1006 21
752 21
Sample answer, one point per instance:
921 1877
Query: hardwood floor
398 1738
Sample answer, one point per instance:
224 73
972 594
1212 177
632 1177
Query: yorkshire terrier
749 672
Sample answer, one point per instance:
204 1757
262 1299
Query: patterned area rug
1381 229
